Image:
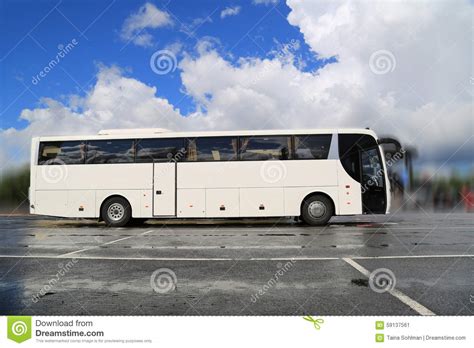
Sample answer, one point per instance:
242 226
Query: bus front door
361 158
164 189
374 200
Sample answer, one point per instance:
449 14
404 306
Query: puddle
375 225
363 224
360 282
47 294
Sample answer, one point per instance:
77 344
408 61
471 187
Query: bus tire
116 212
317 210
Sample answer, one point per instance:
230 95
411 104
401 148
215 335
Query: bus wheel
116 212
317 210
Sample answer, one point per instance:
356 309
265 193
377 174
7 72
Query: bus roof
161 133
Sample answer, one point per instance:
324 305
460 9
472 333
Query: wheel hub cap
115 212
317 209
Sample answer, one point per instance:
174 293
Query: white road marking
212 247
408 257
192 247
66 256
115 258
293 259
98 246
417 307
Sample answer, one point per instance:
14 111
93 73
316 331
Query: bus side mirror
392 141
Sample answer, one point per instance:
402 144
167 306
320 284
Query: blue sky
402 68
33 37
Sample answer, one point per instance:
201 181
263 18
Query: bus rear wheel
116 212
317 210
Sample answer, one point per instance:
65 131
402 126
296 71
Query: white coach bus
121 175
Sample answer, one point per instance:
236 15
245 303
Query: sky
402 68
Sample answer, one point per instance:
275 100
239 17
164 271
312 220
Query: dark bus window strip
78 151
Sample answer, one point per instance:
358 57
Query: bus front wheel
116 212
317 210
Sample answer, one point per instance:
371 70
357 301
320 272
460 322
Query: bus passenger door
361 159
374 198
164 189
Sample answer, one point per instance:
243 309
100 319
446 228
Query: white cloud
265 2
175 48
190 28
115 101
230 11
147 17
426 100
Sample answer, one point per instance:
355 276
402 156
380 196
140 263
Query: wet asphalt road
265 267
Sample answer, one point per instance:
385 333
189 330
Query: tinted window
110 151
62 152
264 148
312 146
350 147
212 149
372 171
159 150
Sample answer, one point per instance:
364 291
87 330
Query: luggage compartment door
164 189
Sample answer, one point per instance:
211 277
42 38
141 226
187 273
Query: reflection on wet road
263 267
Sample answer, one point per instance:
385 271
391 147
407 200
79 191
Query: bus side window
349 154
110 151
159 150
212 149
261 148
312 146
191 152
62 152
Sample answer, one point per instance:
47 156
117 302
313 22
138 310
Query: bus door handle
158 192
